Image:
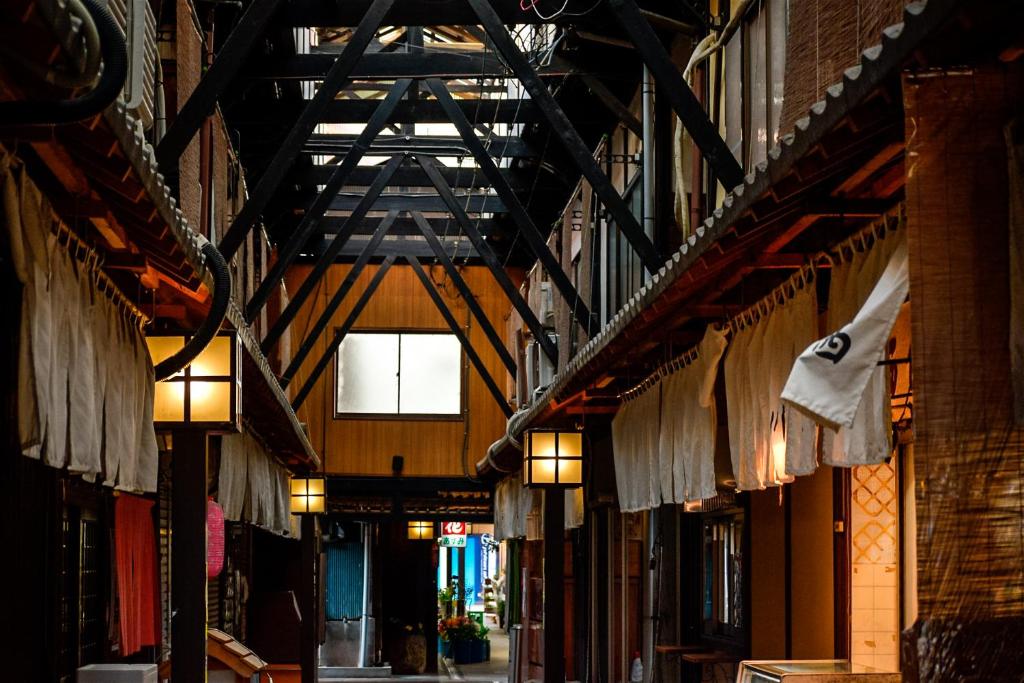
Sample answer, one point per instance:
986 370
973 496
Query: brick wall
825 39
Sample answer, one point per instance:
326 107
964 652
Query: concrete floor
493 671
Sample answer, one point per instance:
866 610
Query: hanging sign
453 535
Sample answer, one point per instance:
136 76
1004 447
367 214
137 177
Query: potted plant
446 602
463 640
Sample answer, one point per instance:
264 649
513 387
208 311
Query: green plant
460 628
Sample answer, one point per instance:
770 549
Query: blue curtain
473 582
344 580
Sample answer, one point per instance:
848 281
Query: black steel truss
684 102
335 79
490 259
300 236
327 258
332 306
466 293
536 241
566 134
225 67
467 347
341 332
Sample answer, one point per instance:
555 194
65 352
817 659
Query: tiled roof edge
142 156
898 41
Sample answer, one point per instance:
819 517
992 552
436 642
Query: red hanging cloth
138 579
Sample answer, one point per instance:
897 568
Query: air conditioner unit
118 673
135 17
540 371
532 349
546 314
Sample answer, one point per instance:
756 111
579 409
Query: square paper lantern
308 496
207 392
554 459
421 531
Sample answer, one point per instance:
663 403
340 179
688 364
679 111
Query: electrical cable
114 55
208 329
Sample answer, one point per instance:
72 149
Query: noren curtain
138 581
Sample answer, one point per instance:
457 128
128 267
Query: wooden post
188 556
554 586
309 654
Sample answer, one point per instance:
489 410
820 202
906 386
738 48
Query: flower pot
462 651
481 650
409 654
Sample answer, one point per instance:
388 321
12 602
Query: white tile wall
874 519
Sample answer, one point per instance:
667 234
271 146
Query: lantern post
309 501
202 398
553 462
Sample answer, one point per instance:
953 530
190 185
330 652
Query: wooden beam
412 176
388 65
460 250
280 165
438 145
418 111
420 201
330 225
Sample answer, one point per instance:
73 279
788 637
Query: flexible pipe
218 310
114 54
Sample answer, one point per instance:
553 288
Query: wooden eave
102 177
840 168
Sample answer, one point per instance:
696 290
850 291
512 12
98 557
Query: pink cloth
137 573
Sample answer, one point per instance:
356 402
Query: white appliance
135 17
118 673
540 371
546 314
811 671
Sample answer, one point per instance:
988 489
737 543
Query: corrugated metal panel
344 580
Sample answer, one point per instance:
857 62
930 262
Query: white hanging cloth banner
635 444
829 378
687 436
769 445
85 379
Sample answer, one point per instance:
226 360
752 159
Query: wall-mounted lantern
308 496
553 459
420 530
207 393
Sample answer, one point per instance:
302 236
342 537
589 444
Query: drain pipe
364 626
647 102
214 262
506 441
114 53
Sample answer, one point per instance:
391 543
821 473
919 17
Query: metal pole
188 556
364 627
309 654
554 586
647 99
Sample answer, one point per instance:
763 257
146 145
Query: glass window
722 556
383 374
